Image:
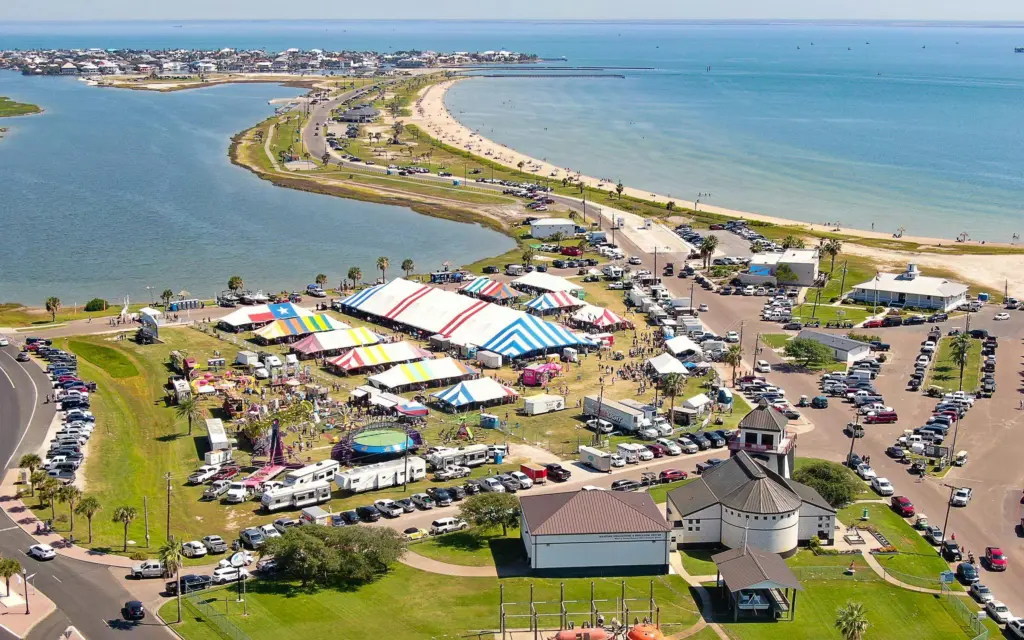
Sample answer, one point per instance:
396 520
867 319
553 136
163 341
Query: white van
763 367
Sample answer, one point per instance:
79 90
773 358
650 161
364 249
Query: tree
30 461
851 621
235 283
70 494
619 188
491 510
170 554
355 274
88 507
407 266
326 555
784 274
326 158
166 297
528 255
519 165
558 236
960 353
672 385
53 306
190 410
383 263
96 304
321 279
9 567
707 249
832 248
671 205
808 351
792 242
125 515
834 482
398 128
48 495
734 358
37 478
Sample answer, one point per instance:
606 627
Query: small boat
1018 49
260 298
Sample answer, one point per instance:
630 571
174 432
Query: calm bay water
890 126
110 191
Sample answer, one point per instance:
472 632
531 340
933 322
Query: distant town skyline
924 10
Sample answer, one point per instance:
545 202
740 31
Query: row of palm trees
51 491
355 275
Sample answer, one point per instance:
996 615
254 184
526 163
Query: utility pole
692 307
167 476
853 438
742 322
949 504
842 283
25 577
757 345
597 426
817 299
145 516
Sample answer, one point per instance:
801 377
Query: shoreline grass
11 108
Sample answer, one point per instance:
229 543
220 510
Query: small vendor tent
334 341
488 289
425 373
599 318
472 394
553 302
665 364
542 281
391 353
247 318
299 326
699 403
683 346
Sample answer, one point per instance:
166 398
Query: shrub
836 484
138 556
96 304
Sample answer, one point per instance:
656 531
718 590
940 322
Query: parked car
214 544
389 508
882 486
193 549
994 559
223 575
671 475
447 525
950 551
998 611
625 485
368 513
252 538
903 506
967 573
981 593
423 501
148 569
188 583
557 472
415 533
406 504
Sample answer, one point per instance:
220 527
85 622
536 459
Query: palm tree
398 128
832 248
88 507
321 279
519 165
792 242
407 266
125 515
733 357
960 353
170 554
851 621
707 249
383 263
166 297
71 495
235 283
189 409
30 461
53 306
37 478
619 188
528 254
9 567
326 158
48 495
672 385
355 274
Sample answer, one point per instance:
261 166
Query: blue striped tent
481 390
529 334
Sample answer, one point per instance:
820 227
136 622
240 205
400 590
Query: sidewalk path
12 609
707 617
424 563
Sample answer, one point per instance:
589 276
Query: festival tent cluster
475 393
261 314
299 326
334 341
390 353
461 319
488 289
425 372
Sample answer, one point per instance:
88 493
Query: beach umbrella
183 294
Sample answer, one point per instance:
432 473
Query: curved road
87 595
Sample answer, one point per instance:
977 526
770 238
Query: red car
903 506
571 251
225 474
995 559
671 475
882 417
872 324
657 450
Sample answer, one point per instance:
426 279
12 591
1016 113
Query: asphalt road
313 137
87 595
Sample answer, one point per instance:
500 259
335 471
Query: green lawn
14 314
892 613
412 605
474 548
10 108
827 313
697 562
863 493
946 374
110 360
775 340
918 562
659 492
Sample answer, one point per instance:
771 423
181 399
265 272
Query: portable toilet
499 457
983 297
457 183
489 421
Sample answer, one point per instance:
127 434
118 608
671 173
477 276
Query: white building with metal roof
911 289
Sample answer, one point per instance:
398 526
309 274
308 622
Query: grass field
9 108
697 562
474 548
660 492
412 605
775 340
946 374
15 314
827 313
114 362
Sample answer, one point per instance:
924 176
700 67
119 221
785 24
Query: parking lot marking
57 579
10 528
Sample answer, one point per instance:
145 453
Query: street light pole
949 505
853 438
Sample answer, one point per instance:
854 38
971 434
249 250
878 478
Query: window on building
678 524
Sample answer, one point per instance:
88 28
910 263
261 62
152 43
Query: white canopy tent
683 345
545 282
665 364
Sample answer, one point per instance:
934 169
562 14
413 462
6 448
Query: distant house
361 114
911 289
843 349
547 227
68 69
89 69
264 66
765 266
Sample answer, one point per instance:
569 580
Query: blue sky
989 10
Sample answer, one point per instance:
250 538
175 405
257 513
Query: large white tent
665 364
461 319
683 345
479 392
542 281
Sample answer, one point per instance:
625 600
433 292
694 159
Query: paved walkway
12 609
707 617
424 563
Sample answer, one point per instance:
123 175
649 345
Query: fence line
972 624
203 607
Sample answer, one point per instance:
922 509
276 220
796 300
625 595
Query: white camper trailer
472 456
323 471
543 403
382 475
296 496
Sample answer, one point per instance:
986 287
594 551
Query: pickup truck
877 345
203 473
216 490
148 569
557 472
961 497
226 473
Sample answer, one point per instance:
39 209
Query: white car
261 374
524 480
981 593
882 486
226 562
3 341
203 473
272 361
671 447
998 611
634 260
590 487
194 549
269 531
618 461
866 472
732 336
389 508
222 575
645 454
702 307
1016 627
42 552
1002 316
762 366
492 484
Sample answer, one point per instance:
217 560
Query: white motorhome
382 475
296 496
472 456
323 471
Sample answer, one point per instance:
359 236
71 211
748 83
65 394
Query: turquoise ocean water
884 125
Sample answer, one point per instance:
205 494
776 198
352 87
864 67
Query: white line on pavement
35 403
9 528
2 370
57 579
